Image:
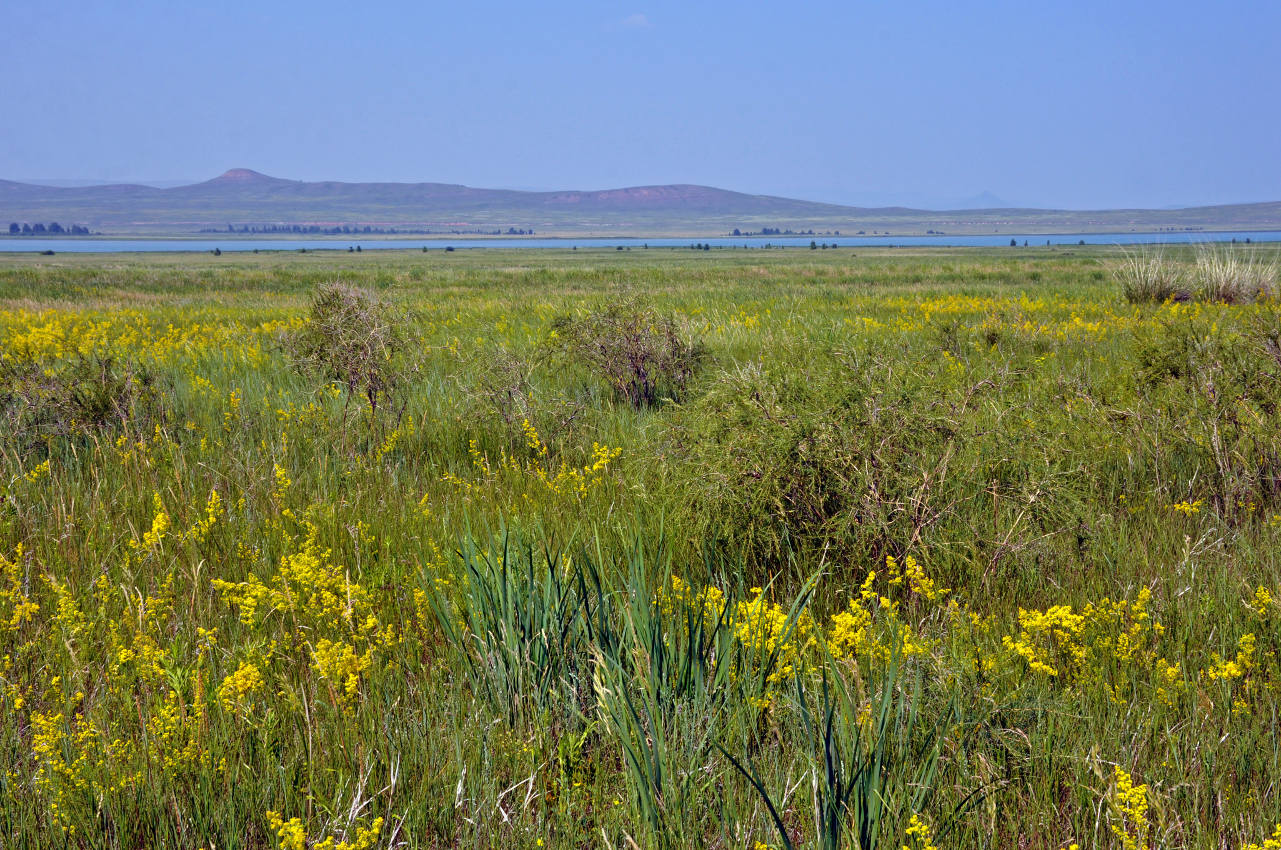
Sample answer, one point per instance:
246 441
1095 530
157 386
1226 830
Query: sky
1073 105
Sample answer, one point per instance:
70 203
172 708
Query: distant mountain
242 198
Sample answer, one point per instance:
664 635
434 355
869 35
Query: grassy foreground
930 549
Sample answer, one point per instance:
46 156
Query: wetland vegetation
897 548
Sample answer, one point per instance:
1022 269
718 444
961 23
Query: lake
234 243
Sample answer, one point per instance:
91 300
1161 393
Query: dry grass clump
1147 276
1227 276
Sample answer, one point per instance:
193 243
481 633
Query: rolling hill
243 198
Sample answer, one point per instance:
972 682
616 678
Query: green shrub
1219 389
643 356
774 463
503 393
357 340
42 401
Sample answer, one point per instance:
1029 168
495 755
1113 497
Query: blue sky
1087 104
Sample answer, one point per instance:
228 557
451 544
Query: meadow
748 549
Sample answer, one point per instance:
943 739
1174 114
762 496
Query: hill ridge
243 197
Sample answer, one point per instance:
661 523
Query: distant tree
54 227
350 250
357 249
217 252
1014 243
26 230
736 233
1082 242
38 228
813 245
14 229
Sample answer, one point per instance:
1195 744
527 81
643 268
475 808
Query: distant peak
242 175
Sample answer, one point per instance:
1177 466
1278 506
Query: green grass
488 640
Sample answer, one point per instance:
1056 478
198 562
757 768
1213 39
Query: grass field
888 548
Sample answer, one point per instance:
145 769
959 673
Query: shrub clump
357 340
1223 412
772 464
642 355
42 401
507 391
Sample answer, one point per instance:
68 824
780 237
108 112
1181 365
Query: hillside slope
242 197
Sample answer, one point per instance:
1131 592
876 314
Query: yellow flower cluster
53 334
307 586
323 607
338 662
1273 843
518 475
238 689
1090 645
919 834
293 835
1128 810
1234 668
789 644
16 606
913 576
771 635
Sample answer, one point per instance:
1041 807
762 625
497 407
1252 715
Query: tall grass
1228 276
1147 276
935 548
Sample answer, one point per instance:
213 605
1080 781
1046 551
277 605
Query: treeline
774 231
356 230
50 229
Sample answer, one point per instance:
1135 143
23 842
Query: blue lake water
91 245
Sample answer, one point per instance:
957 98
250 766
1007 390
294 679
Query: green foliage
488 635
43 402
1224 384
834 462
641 355
874 763
357 340
504 388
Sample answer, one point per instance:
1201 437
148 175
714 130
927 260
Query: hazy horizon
984 200
1103 105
